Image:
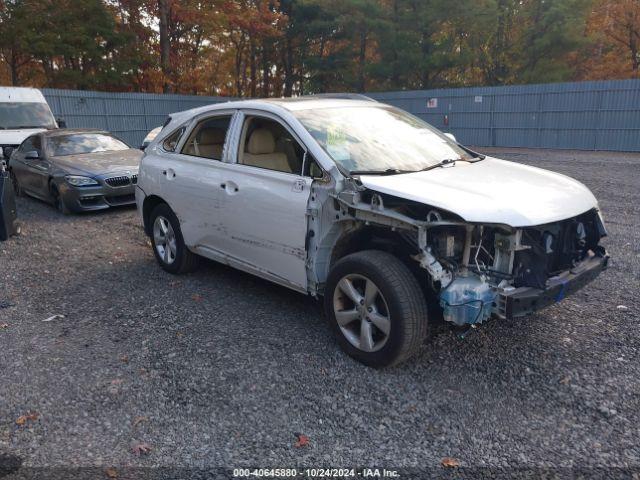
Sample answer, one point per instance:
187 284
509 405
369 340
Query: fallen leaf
22 419
124 358
140 448
450 462
111 472
4 325
303 441
139 420
565 380
196 297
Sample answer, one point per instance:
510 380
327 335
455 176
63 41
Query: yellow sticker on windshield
335 136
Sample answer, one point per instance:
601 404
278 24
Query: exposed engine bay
476 271
482 263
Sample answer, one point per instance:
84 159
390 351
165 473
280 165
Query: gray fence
130 116
585 115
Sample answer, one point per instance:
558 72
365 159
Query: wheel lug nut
369 309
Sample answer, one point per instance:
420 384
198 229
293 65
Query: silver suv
372 209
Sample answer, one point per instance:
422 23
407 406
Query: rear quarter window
171 142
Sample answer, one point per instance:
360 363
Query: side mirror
62 123
451 136
144 146
32 155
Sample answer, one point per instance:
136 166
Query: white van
23 112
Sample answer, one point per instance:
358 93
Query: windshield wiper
388 171
441 163
28 126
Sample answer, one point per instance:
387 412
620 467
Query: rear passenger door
193 179
265 200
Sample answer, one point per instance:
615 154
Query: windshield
378 139
14 115
84 143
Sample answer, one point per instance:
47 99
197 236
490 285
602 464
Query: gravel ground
221 369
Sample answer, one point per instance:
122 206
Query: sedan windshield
84 143
379 139
15 115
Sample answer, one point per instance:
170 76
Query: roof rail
345 96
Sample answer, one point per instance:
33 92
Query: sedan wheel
165 240
361 312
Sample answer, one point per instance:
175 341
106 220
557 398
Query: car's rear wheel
167 242
376 308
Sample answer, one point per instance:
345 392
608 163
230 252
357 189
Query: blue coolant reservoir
467 300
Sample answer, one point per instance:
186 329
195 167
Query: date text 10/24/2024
315 473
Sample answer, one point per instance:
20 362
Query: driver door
31 172
264 197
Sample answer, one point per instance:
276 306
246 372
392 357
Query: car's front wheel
168 244
376 308
58 201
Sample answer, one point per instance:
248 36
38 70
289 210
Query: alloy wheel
164 239
361 312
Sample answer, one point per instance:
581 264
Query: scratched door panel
264 220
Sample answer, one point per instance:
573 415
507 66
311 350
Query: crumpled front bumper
522 301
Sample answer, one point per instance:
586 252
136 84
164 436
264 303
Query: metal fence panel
582 115
130 116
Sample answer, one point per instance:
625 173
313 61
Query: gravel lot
221 369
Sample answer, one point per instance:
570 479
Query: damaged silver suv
372 209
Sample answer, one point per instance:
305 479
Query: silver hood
491 191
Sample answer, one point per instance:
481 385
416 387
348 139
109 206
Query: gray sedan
76 170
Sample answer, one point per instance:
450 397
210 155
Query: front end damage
476 271
480 270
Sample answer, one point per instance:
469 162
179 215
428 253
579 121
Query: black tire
17 189
402 293
58 202
185 261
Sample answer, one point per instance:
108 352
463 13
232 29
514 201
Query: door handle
169 173
230 187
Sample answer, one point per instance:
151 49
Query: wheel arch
150 202
367 237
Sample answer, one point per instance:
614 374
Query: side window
37 144
208 137
27 145
30 144
171 142
312 169
267 144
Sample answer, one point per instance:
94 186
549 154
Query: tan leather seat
208 143
260 152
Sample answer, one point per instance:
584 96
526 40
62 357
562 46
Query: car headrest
261 142
211 136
